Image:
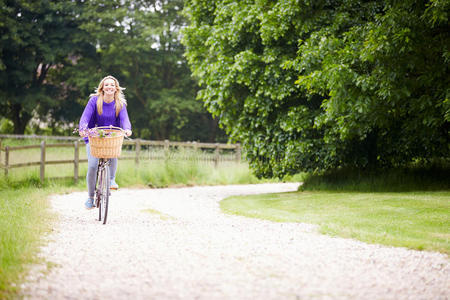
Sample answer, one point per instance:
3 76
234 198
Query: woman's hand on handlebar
128 132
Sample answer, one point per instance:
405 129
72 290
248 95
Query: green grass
416 220
24 218
184 173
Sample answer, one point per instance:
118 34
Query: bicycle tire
105 194
99 191
99 205
98 195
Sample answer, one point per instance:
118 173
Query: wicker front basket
107 147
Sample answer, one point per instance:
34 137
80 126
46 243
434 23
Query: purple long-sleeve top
90 117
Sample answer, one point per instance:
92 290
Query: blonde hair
118 96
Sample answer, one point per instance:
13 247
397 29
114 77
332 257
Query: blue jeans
91 175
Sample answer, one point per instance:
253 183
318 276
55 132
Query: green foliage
38 38
418 178
313 86
6 126
54 53
138 42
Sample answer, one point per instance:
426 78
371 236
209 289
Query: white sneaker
89 204
113 185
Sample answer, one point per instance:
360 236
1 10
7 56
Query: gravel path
176 244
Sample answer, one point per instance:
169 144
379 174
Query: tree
313 86
139 42
38 38
54 53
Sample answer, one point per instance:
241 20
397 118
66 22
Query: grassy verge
396 208
24 218
184 173
414 220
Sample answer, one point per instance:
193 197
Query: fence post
216 155
76 162
42 161
195 152
238 153
166 149
6 160
138 151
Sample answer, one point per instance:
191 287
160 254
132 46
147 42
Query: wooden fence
137 144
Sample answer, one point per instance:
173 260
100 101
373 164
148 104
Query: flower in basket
84 131
102 133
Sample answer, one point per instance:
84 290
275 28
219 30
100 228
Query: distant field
150 157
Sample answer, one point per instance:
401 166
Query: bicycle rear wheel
104 192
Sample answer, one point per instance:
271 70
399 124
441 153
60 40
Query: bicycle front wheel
104 194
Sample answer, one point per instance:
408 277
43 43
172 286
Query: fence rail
40 137
137 144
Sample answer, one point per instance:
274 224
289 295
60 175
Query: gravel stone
177 244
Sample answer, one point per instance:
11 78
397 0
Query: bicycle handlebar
110 127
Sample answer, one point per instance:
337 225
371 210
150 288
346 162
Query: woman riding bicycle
107 106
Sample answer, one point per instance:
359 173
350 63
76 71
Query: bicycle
108 144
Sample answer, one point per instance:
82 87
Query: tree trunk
213 125
372 149
19 118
